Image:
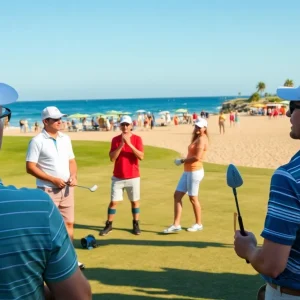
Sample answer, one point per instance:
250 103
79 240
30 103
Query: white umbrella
140 111
181 110
164 112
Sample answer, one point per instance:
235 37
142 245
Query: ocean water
31 110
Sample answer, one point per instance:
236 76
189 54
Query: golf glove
177 162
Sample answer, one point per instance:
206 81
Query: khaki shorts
64 201
132 187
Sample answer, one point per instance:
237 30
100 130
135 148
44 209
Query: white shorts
189 182
132 187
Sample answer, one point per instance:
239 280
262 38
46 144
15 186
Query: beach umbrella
114 112
126 113
78 116
97 114
181 110
141 111
285 102
164 112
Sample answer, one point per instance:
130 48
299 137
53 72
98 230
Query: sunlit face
294 114
199 130
125 127
52 125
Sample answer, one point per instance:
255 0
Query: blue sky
113 49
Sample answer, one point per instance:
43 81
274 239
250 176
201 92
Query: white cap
7 94
289 93
125 119
52 112
201 123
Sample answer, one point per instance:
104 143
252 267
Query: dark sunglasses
53 120
293 106
5 113
125 124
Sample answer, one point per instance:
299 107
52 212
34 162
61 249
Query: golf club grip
241 226
243 233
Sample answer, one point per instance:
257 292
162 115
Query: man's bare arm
271 259
75 287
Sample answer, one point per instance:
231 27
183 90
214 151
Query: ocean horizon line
226 97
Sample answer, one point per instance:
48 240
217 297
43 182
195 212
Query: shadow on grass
108 296
102 241
177 282
98 228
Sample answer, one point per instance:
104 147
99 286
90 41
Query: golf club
92 189
234 180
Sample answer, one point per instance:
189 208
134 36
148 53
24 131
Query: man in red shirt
126 150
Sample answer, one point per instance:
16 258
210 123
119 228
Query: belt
49 189
285 290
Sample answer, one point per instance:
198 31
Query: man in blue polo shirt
37 258
278 260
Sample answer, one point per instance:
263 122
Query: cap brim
288 93
58 116
7 94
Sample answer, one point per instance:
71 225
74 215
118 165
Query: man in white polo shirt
51 160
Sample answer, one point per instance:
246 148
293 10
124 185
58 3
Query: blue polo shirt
282 224
34 244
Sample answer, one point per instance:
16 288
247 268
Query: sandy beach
256 141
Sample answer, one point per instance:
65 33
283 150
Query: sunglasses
125 124
53 120
5 113
293 106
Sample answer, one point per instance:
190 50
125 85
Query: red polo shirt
127 164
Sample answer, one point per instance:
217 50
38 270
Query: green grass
186 265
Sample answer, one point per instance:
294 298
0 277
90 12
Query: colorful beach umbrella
78 116
97 114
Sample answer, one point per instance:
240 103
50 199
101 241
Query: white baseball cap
201 123
7 94
289 93
52 112
125 119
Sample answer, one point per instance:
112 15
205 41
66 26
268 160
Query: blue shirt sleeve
62 262
283 216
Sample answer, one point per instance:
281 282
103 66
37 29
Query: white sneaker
172 229
195 227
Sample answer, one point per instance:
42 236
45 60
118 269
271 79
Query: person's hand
244 244
60 183
177 161
122 143
72 181
126 139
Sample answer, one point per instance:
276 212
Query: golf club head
7 94
234 178
93 188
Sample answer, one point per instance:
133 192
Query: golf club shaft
241 225
84 187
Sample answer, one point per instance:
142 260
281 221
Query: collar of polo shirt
46 134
